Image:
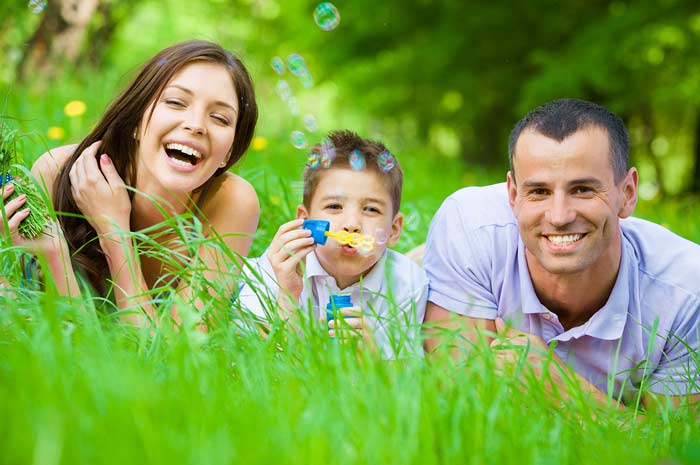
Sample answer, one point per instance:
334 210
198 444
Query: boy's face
356 202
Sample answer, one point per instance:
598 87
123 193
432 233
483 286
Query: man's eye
538 192
582 190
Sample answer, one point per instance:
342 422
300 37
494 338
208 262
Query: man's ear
512 189
629 190
302 213
396 228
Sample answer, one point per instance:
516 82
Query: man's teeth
185 149
565 239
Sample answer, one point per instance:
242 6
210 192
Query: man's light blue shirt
647 333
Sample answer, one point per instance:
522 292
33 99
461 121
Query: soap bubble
326 16
381 236
298 67
298 139
37 6
296 64
411 221
293 105
283 90
277 65
386 161
310 123
357 160
313 161
327 153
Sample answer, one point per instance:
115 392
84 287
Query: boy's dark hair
344 143
561 118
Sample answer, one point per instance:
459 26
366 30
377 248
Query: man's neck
575 298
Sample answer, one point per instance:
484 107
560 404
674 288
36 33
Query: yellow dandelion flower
275 200
74 108
56 133
259 143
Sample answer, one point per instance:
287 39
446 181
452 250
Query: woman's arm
230 218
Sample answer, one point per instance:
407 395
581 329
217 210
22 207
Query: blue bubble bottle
335 303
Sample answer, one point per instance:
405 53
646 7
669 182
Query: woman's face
190 133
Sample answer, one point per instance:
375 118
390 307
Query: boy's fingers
288 226
351 312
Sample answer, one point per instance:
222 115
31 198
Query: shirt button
546 316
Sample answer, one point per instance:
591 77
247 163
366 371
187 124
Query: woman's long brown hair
116 129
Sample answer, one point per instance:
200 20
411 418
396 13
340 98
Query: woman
171 137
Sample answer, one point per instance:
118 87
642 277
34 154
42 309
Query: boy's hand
352 325
289 247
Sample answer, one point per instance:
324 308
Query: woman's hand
100 192
14 212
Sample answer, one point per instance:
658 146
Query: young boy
355 184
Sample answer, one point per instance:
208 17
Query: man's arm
439 323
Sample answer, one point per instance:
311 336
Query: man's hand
289 247
513 347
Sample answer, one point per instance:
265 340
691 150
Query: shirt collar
608 322
372 281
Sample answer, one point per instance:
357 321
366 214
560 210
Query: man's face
567 203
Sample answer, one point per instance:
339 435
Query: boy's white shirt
393 296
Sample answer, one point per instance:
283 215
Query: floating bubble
297 188
293 105
283 90
381 236
411 221
327 153
357 160
298 67
161 62
37 6
326 16
296 64
298 139
386 161
313 161
310 122
277 65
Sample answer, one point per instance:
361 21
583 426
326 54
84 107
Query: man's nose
560 211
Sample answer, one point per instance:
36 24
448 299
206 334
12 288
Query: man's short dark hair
561 118
344 143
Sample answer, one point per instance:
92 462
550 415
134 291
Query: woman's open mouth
182 156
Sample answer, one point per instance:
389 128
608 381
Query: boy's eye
334 206
372 209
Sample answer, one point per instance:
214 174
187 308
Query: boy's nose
352 227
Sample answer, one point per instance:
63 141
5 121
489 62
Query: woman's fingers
7 190
110 172
14 214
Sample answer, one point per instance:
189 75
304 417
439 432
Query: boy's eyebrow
375 200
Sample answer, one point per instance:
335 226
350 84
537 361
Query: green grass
78 387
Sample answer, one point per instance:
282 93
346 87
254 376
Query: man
550 253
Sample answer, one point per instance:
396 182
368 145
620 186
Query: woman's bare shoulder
231 198
48 166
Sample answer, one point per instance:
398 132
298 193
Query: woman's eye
175 103
222 119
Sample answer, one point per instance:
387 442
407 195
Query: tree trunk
58 39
